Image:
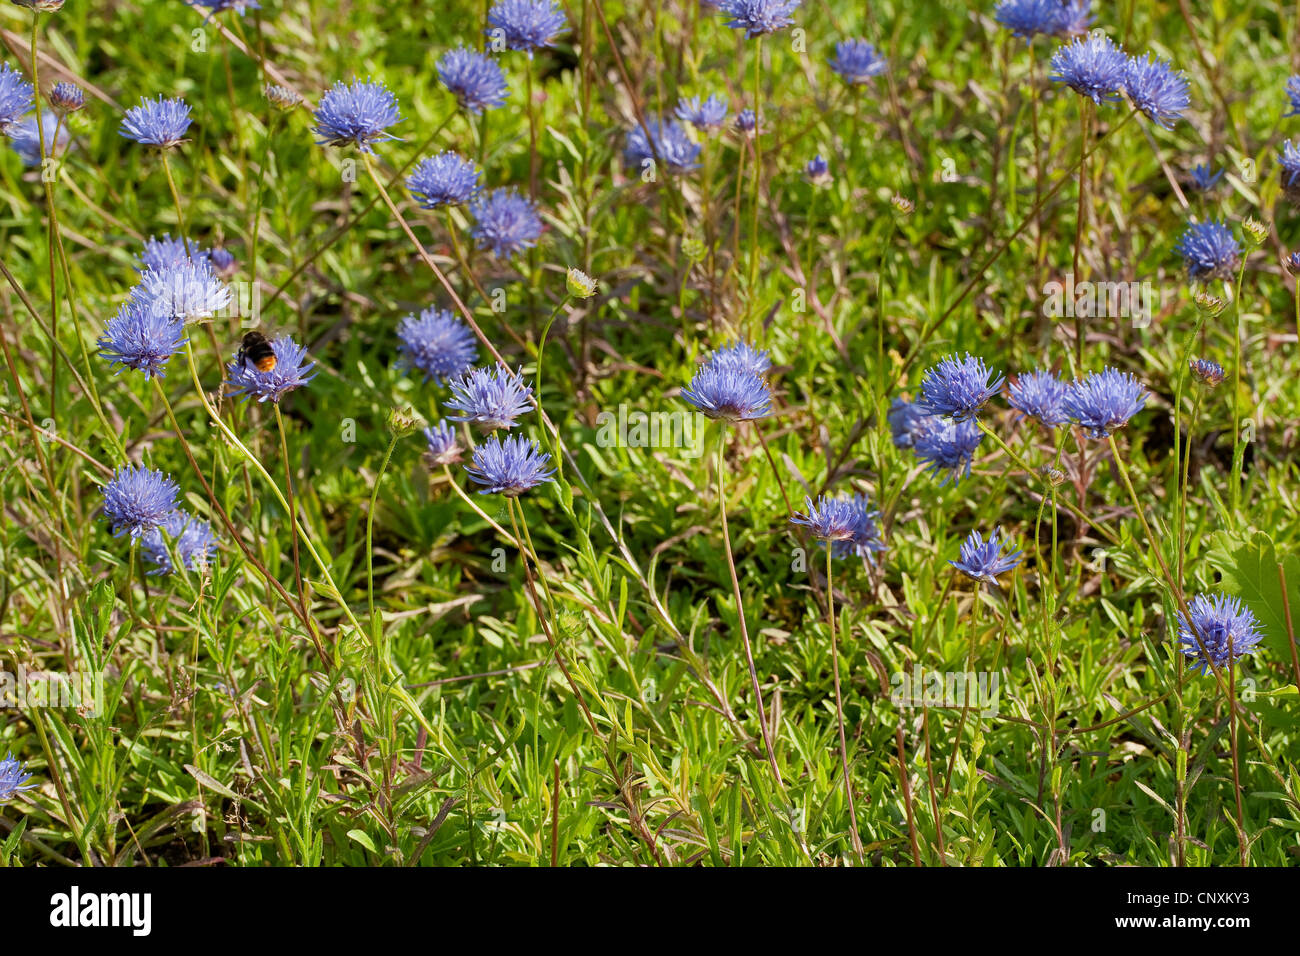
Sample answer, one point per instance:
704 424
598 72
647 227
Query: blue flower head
948 448
443 448
191 538
505 222
1207 372
865 540
1103 402
141 338
490 398
137 499
25 138
509 466
1203 178
817 171
705 115
165 253
356 113
1155 88
1209 250
161 122
1293 94
1092 66
743 356
857 62
221 6
1289 161
288 373
1029 18
15 96
446 179
746 123
982 560
1039 395
476 80
438 344
758 17
832 519
1226 629
525 24
668 138
728 392
187 290
224 263
908 422
12 778
957 388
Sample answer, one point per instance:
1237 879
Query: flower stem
376 632
855 837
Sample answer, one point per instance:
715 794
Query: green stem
855 837
375 629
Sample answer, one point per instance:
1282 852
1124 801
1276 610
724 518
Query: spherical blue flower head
166 252
948 448
757 17
438 344
474 79
190 537
15 96
12 778
1029 18
505 222
817 171
982 560
289 373
741 355
856 62
1293 94
1204 178
1209 250
746 123
1290 163
26 139
832 519
1206 371
357 113
1219 621
137 499
1073 18
509 466
1156 89
1293 263
223 262
1103 402
141 338
908 421
490 398
674 145
526 24
864 542
446 179
161 122
1039 395
443 448
705 115
730 393
957 388
188 290
1092 66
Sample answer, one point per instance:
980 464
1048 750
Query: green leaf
1250 572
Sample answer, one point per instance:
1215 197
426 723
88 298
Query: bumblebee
257 350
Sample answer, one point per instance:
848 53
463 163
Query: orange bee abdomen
266 363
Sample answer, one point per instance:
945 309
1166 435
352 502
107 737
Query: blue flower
137 499
185 290
1289 160
190 537
1103 402
443 448
948 448
161 122
438 344
1028 18
446 179
864 542
908 422
983 560
223 262
832 519
958 388
757 17
706 115
674 146
1203 178
510 466
15 96
1039 395
490 398
1220 622
857 62
1092 66
26 139
1293 94
289 373
728 392
12 778
141 338
526 24
1207 371
474 79
746 123
741 355
1209 250
220 6
1156 89
166 253
359 112
1073 18
817 171
504 222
